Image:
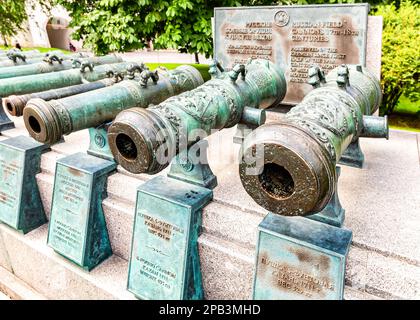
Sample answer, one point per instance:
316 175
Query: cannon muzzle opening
14 105
286 171
42 121
138 140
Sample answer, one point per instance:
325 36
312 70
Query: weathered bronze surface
294 172
20 201
14 105
55 63
299 259
5 54
146 140
41 82
293 37
22 58
47 121
164 261
77 228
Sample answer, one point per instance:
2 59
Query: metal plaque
20 202
164 261
298 258
77 227
293 37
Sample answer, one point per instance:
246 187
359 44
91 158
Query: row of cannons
147 120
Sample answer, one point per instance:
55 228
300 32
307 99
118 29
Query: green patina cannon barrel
4 54
288 167
146 140
47 121
54 63
21 58
59 79
15 105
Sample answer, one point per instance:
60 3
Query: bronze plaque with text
293 37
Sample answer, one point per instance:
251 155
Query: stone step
12 288
53 276
228 239
375 269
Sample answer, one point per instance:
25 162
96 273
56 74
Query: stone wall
36 33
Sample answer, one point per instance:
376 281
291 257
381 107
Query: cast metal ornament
146 140
52 63
48 121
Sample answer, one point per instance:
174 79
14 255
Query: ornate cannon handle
16 55
146 75
133 68
52 58
237 70
117 76
215 68
343 76
85 65
76 62
316 77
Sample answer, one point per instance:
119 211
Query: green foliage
400 53
123 25
202 68
185 25
12 15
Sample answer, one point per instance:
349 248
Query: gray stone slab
391 278
351 294
54 277
231 224
374 44
418 145
227 269
382 200
398 152
16 289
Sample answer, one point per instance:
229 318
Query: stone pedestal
77 227
300 259
20 202
164 261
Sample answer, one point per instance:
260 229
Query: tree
123 25
400 53
12 16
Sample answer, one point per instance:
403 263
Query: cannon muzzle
289 167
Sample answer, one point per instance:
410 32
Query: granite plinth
381 202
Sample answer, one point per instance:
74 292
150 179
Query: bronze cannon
47 121
146 140
18 58
289 167
53 63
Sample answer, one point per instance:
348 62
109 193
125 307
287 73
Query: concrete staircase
381 202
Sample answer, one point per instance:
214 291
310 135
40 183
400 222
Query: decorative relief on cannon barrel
48 121
294 173
157 134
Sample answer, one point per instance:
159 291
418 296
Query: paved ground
3 296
